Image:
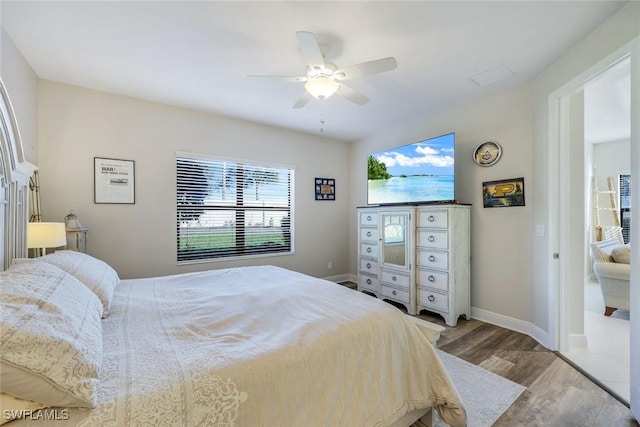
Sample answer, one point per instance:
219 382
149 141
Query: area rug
486 396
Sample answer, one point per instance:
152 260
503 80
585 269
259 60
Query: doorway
602 350
570 235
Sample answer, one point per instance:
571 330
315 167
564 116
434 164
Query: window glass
230 208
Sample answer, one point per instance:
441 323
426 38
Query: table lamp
43 235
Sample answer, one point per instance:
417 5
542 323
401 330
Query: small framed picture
503 193
114 181
325 188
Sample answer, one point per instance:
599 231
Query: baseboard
541 336
341 278
511 323
501 320
578 340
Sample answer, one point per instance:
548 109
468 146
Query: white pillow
97 275
50 335
11 407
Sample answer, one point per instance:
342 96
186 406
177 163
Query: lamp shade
321 87
46 235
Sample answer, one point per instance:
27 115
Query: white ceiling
197 54
607 105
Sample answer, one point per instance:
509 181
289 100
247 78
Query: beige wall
21 83
500 237
139 240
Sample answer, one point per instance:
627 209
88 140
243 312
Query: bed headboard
14 186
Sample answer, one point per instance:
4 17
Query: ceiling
607 105
197 54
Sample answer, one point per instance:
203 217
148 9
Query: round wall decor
487 153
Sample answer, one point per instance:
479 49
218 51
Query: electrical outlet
330 265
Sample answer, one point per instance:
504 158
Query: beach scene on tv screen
419 172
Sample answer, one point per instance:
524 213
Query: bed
247 346
250 346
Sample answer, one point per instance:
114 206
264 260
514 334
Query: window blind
624 185
232 208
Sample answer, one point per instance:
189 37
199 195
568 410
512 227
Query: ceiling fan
323 78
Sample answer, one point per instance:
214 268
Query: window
231 208
624 185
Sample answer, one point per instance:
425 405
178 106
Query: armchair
613 276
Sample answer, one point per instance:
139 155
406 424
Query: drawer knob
369 249
394 292
432 258
394 278
368 281
431 218
431 278
369 218
368 234
432 238
431 298
368 265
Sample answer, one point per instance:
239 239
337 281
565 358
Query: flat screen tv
422 172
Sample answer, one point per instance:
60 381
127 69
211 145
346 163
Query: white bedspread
260 346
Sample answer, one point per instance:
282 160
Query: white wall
140 240
21 83
500 237
610 159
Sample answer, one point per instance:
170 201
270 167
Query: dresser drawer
368 218
369 249
369 234
434 279
433 259
433 300
396 294
433 218
395 279
368 283
437 239
369 266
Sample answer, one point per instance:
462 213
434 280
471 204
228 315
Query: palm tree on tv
377 169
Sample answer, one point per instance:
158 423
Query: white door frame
558 158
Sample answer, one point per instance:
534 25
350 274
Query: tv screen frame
421 172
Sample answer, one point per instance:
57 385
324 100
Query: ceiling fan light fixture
321 87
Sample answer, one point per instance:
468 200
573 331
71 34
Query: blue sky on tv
430 157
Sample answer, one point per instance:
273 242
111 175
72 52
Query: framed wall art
114 181
503 193
325 188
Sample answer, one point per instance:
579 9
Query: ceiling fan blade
278 78
303 100
310 49
366 68
352 94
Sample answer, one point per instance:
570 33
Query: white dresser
443 261
417 256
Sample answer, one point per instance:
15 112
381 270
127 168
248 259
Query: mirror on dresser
394 240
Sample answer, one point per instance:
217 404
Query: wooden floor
556 394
